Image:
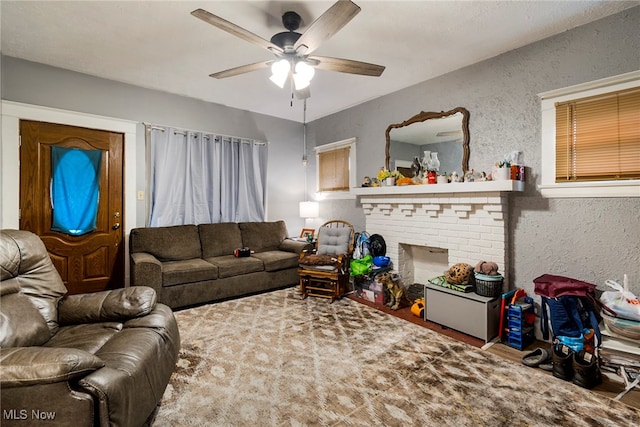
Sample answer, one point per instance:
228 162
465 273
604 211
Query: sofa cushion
263 236
40 365
172 243
277 260
21 324
317 259
229 265
219 239
319 262
334 241
187 271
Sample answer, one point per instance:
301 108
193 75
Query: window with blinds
333 169
598 137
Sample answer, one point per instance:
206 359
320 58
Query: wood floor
611 385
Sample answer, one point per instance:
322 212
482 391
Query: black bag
242 252
377 245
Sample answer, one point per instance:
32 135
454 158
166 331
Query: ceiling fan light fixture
280 72
293 49
303 75
299 82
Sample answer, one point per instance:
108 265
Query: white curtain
198 178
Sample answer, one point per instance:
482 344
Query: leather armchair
101 359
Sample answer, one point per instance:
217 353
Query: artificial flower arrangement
385 173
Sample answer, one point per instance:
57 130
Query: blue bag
569 316
569 305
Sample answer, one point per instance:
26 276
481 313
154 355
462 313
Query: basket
489 286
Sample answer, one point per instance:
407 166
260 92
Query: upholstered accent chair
324 271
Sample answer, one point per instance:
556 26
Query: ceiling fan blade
236 30
347 66
329 23
241 70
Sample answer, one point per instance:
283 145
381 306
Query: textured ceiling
159 45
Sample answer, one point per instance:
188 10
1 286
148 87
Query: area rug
276 360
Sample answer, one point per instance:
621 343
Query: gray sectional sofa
194 264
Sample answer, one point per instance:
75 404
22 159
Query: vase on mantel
390 181
425 161
435 162
430 161
501 174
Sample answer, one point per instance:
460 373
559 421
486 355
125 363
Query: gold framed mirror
446 132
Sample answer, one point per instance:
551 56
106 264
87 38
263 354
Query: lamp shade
280 72
309 209
303 75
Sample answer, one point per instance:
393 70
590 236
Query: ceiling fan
293 50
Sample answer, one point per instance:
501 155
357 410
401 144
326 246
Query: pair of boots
581 367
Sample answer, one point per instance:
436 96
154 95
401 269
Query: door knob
116 226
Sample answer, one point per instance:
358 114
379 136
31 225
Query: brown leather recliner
101 359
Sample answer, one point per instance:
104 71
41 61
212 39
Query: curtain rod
149 126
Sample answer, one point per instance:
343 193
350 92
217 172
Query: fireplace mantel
454 187
466 220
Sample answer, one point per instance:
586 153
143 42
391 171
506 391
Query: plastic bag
361 245
623 302
361 266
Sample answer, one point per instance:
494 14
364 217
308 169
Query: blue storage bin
520 331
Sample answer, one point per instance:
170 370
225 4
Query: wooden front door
93 261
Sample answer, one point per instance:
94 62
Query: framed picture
306 232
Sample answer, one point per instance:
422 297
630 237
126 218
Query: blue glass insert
75 189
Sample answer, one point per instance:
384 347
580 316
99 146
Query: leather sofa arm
24 366
294 246
105 306
146 270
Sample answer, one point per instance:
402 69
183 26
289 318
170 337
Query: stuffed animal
488 268
395 292
459 274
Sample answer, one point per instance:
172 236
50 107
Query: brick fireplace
428 228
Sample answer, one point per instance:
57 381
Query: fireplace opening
418 264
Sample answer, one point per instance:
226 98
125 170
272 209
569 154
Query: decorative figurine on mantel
416 167
470 176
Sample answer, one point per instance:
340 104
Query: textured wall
588 239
